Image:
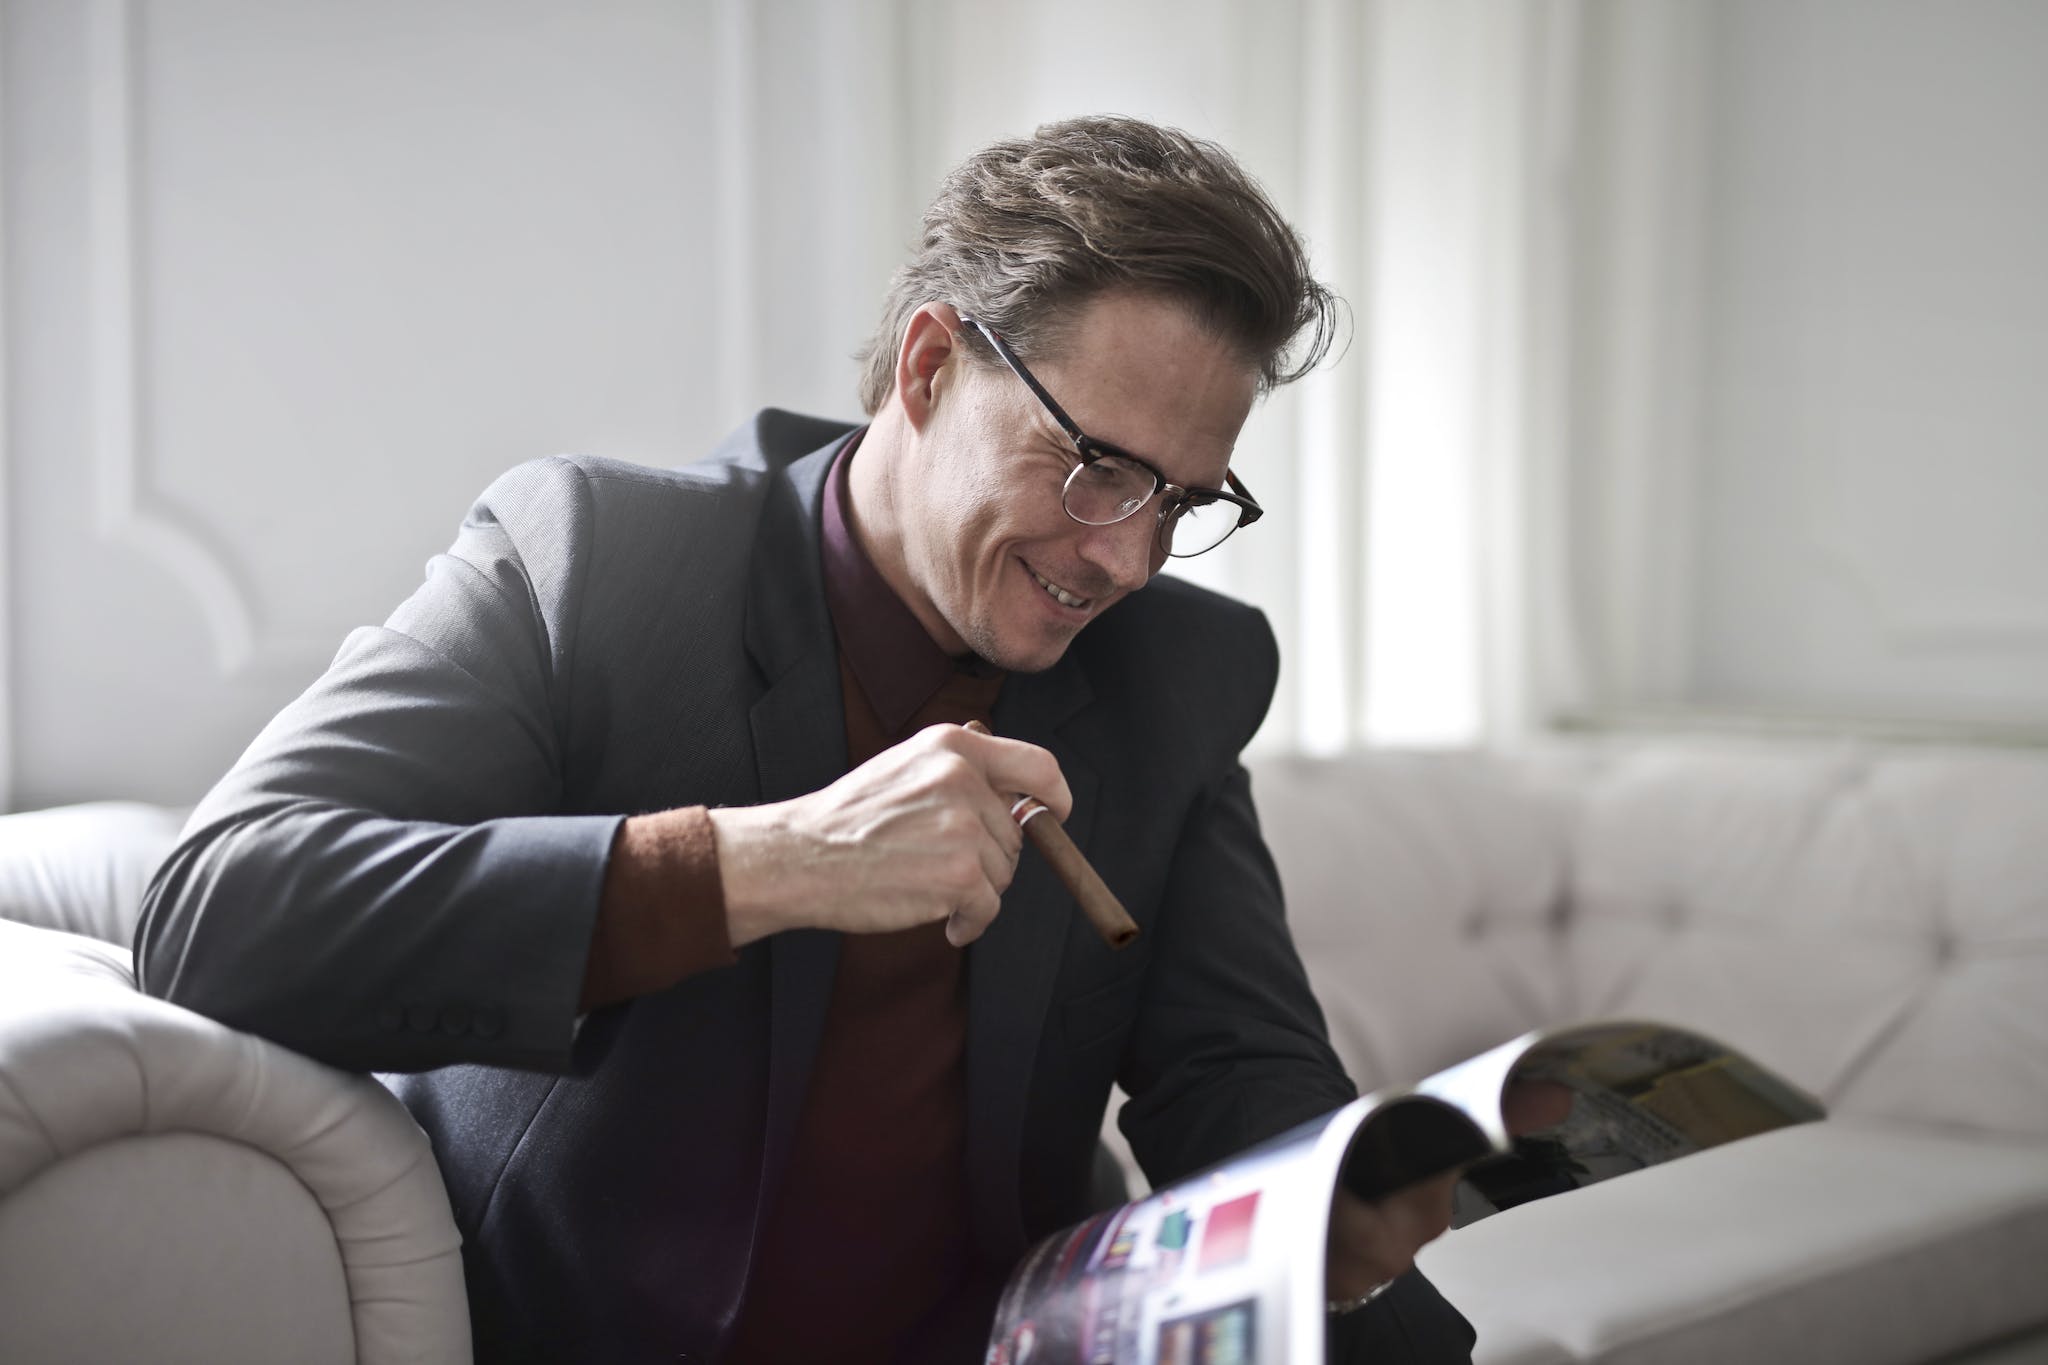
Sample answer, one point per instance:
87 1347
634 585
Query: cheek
990 520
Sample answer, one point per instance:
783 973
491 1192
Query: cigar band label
1025 807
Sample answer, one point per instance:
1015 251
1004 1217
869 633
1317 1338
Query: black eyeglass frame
1090 450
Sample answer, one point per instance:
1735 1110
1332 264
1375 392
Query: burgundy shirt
869 1234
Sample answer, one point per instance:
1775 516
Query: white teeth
1059 594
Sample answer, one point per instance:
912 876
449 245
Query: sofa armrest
89 1066
1838 1243
83 868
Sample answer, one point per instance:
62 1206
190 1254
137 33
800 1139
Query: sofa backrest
1871 921
1424 892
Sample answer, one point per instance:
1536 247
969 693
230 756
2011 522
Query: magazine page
1223 1268
1641 1094
1227 1266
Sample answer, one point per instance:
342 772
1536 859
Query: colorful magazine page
1227 1266
1208 1271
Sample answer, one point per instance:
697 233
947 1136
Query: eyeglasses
1109 485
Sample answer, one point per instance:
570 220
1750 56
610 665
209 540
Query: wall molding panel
127 511
1909 620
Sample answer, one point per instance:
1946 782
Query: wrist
754 878
1339 1307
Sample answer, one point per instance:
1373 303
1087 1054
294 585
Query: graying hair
1025 231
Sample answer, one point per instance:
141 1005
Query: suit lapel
799 734
1011 970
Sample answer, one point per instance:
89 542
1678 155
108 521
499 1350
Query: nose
1127 552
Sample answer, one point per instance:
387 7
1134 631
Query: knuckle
948 772
964 875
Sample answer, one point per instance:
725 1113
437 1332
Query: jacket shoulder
1188 622
569 495
1196 662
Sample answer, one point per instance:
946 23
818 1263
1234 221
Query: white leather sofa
1874 923
175 1191
1871 922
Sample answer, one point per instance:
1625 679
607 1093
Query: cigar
1082 881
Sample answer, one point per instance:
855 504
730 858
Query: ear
929 356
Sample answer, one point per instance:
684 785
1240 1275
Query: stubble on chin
982 638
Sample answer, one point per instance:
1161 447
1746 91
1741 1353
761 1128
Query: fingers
921 832
971 921
1371 1242
981 898
954 777
1013 767
1530 1105
998 768
1374 1242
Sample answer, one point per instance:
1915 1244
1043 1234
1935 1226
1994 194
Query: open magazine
1226 1267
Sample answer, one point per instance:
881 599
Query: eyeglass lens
1108 489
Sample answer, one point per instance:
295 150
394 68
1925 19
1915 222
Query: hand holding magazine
1227 1266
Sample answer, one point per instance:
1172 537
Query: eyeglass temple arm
1249 510
1059 414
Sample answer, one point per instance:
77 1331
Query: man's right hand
920 832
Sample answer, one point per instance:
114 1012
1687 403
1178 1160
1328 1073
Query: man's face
1000 567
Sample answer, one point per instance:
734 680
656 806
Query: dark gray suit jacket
402 874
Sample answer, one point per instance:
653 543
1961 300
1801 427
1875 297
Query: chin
1012 657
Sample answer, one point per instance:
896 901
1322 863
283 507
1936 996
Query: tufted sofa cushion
1425 893
1875 924
1872 922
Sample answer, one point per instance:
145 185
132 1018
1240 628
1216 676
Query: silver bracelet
1339 1307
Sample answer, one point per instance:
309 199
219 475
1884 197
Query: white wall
286 284
1863 375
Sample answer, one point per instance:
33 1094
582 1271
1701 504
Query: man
649 828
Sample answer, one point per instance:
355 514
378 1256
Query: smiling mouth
1055 591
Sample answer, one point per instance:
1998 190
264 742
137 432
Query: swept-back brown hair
1025 231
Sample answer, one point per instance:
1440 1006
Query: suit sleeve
378 881
1230 1047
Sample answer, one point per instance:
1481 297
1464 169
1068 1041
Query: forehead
1143 374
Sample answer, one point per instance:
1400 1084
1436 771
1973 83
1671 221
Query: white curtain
1427 584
